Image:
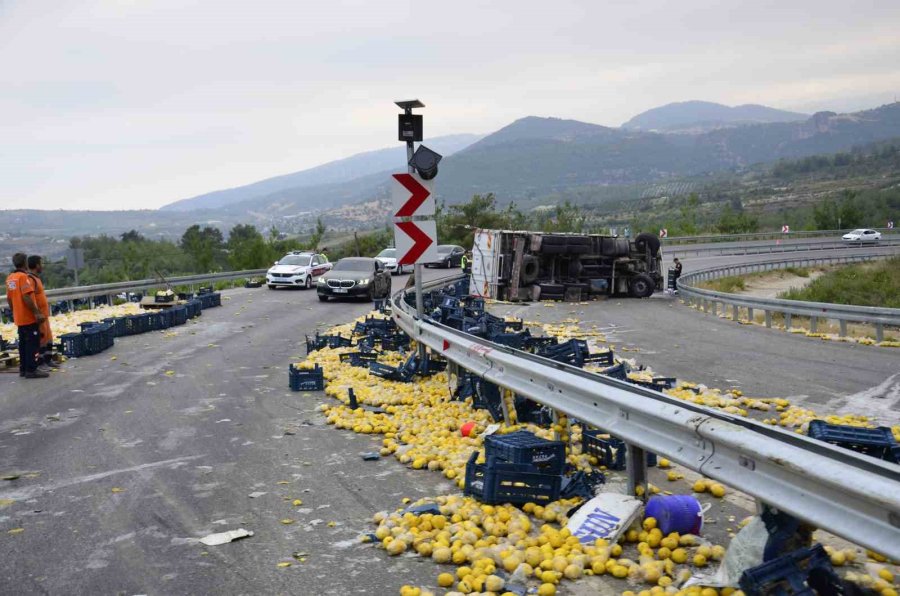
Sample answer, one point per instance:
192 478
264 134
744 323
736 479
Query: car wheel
323 298
308 283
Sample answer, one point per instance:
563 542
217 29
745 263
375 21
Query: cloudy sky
123 104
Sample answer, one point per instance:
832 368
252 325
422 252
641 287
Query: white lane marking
33 491
879 401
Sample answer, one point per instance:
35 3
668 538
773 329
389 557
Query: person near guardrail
35 268
27 317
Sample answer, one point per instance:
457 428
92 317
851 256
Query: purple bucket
676 513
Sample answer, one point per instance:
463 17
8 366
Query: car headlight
320 282
364 282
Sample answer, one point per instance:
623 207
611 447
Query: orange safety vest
19 285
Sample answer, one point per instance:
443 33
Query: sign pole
417 268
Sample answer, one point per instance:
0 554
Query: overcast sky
126 104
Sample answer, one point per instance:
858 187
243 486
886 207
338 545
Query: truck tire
647 241
530 269
641 286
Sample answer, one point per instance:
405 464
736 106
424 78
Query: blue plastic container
676 513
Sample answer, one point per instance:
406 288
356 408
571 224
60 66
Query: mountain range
537 158
532 161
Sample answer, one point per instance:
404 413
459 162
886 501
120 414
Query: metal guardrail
732 248
141 284
709 300
846 493
673 240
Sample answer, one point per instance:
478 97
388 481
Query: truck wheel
641 286
530 269
645 241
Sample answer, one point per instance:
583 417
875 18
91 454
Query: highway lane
128 457
786 244
678 341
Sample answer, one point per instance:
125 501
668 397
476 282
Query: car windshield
353 265
388 253
296 260
444 249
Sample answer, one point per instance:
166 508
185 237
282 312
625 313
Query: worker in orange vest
35 268
27 317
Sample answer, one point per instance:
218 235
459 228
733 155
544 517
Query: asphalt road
188 424
678 341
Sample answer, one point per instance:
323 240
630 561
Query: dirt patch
773 284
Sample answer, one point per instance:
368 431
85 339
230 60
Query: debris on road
225 537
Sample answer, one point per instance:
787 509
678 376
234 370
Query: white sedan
297 270
388 258
862 235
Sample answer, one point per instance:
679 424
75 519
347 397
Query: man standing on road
27 317
464 262
35 268
677 268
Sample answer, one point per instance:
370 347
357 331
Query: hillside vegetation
865 284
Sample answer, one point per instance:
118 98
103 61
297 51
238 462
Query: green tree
247 249
204 245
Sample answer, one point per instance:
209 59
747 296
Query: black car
355 277
449 255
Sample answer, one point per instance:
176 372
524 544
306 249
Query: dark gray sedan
355 277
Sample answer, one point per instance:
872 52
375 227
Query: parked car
297 270
389 258
862 235
449 255
355 277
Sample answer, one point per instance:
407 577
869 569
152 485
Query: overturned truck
519 266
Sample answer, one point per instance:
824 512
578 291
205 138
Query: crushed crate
528 410
496 482
788 575
610 452
581 484
317 342
431 365
403 373
877 442
305 379
538 343
358 359
517 340
395 343
72 345
619 371
526 448
487 397
657 383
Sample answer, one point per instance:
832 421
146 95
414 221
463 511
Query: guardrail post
735 312
749 314
843 325
715 308
637 470
768 319
787 321
813 324
879 332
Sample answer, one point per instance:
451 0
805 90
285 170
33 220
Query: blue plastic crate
72 344
358 359
611 452
94 340
194 309
523 447
306 380
179 314
496 482
118 325
788 575
878 442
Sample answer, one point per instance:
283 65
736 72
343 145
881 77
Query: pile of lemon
70 322
421 425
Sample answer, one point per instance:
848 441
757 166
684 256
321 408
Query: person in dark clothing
27 317
677 267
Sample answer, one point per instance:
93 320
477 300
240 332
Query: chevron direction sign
414 237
